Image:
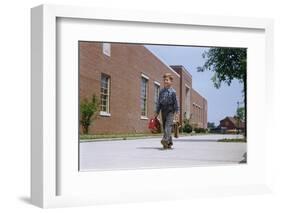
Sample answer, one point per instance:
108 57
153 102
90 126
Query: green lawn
127 136
101 136
239 140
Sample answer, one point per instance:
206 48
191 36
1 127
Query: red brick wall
196 103
125 66
186 81
205 114
198 109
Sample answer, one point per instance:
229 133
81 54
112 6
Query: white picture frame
46 171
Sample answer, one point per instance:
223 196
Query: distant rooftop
182 67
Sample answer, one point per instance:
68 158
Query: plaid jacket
167 100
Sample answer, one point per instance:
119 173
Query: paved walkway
148 153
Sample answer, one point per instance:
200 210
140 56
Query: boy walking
168 105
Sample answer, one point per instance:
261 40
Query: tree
241 113
227 64
88 111
211 125
187 127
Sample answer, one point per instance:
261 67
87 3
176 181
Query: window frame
143 76
106 48
102 112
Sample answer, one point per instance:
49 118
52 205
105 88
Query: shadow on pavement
195 140
157 148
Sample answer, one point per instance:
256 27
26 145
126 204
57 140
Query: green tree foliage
88 111
227 64
211 125
186 126
241 113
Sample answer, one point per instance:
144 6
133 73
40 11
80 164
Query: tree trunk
85 129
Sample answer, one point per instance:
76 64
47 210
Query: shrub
231 131
200 130
186 126
88 110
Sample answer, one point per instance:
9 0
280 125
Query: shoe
165 144
170 144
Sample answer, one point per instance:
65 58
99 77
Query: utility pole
238 116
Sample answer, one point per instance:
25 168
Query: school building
127 78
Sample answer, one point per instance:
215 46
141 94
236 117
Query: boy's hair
168 75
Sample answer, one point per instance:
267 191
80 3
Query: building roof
181 66
161 60
234 121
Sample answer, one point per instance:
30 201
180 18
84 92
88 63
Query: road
187 151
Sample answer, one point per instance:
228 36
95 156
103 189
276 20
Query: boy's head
168 79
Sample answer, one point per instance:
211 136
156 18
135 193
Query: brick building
127 78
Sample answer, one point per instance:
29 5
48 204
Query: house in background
127 79
232 123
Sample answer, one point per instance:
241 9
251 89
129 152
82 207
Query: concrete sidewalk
148 153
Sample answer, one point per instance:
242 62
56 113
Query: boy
168 104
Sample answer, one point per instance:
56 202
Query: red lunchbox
154 125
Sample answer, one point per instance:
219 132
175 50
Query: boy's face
167 82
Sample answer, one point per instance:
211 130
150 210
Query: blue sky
222 102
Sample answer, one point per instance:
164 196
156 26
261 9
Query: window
144 83
156 94
106 48
104 93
